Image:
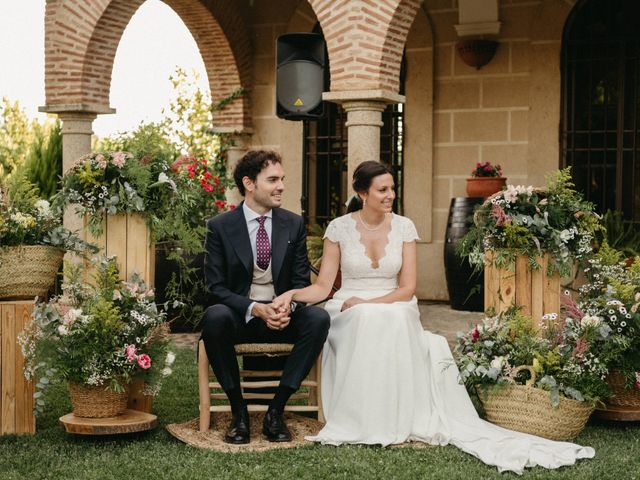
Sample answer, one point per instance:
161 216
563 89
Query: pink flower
475 335
500 215
102 162
118 159
144 362
638 385
130 352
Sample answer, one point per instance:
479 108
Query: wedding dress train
387 381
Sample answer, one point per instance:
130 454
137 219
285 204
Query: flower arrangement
102 335
26 219
486 169
611 299
528 221
114 182
565 357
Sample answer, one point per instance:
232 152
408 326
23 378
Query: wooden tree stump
16 393
533 290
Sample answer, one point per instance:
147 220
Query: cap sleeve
331 233
409 232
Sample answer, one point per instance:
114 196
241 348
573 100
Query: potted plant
611 297
97 338
32 242
201 185
486 179
543 380
530 221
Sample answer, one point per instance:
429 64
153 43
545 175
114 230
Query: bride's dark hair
362 178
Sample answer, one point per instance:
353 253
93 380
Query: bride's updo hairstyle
362 179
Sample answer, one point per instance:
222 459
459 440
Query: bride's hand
282 302
350 302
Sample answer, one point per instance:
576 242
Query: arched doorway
601 103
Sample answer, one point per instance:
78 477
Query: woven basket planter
622 397
97 402
28 271
527 409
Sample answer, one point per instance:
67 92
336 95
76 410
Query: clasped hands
275 314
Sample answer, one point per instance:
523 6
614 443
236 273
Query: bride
385 380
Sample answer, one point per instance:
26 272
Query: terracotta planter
484 186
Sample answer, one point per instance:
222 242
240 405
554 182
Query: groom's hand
276 319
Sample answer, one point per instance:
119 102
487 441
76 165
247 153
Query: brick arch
365 41
82 39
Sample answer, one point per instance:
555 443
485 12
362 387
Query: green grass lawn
53 454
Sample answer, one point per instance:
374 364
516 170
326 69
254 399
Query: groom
254 253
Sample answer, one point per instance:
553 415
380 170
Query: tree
43 162
15 136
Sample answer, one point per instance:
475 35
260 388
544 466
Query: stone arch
82 39
365 41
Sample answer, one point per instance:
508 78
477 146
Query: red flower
638 385
475 335
207 175
220 204
144 361
207 187
217 180
192 174
231 206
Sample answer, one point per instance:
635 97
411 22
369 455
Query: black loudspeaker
300 76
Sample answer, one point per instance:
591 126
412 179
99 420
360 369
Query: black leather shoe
239 431
274 427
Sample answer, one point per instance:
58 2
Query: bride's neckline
375 263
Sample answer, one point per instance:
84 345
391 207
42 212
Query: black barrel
461 279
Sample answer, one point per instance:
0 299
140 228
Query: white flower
63 330
170 358
590 321
166 372
44 209
164 178
497 363
117 295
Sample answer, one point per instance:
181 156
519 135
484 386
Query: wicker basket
97 402
28 271
527 409
622 397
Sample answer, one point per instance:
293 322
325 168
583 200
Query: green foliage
102 335
43 163
566 358
621 235
189 119
531 222
611 298
15 136
27 220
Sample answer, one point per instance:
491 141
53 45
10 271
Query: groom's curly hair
251 164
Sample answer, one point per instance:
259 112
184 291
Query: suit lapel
279 242
236 228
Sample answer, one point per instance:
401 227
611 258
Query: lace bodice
356 267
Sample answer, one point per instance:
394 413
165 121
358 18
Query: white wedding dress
387 381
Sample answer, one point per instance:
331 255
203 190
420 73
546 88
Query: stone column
77 129
364 118
241 142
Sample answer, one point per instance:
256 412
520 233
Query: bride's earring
364 202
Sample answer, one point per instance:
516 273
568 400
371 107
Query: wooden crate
127 237
533 290
16 393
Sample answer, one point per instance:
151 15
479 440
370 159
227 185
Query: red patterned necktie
263 249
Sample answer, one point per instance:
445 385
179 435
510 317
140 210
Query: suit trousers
223 328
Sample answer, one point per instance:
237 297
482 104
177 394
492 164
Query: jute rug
190 434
